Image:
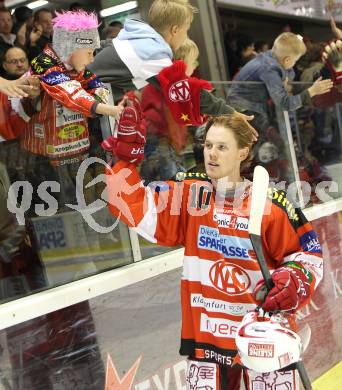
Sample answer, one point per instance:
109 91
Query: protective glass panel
318 138
55 226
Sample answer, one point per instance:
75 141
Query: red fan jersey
220 268
59 128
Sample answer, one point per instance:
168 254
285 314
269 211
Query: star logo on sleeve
185 117
113 382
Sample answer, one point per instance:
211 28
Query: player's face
222 156
80 58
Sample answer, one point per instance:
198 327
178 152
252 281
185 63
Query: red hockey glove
291 289
182 93
128 144
132 152
332 56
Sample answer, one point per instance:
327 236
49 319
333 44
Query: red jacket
60 127
159 120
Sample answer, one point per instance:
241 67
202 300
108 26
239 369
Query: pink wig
75 20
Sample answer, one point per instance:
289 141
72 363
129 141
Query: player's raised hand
129 142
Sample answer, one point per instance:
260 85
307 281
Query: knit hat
74 30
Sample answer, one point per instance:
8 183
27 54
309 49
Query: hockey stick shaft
303 375
259 196
257 246
258 203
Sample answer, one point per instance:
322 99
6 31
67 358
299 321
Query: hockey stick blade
258 202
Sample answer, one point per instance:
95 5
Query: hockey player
142 53
209 216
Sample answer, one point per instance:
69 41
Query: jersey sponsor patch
229 278
57 150
261 350
65 116
95 83
84 41
231 221
280 199
218 306
230 246
309 242
71 132
42 63
54 78
39 131
83 94
219 327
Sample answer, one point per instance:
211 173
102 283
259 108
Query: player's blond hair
167 13
188 47
288 44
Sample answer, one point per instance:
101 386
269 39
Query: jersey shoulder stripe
197 176
281 200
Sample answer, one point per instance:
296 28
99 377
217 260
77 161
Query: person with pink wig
70 93
55 123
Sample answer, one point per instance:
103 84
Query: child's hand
34 83
35 34
128 145
117 110
287 86
335 29
247 118
21 34
320 87
16 88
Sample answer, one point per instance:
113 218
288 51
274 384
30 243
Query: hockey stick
259 196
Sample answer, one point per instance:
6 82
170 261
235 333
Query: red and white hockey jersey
220 269
60 128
